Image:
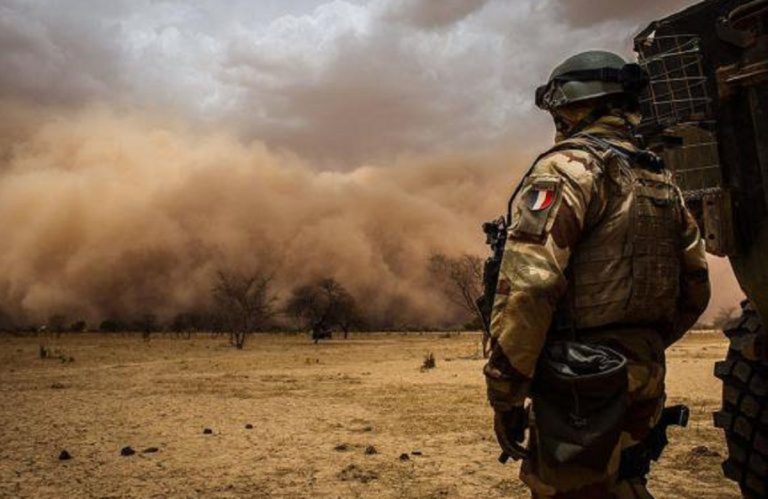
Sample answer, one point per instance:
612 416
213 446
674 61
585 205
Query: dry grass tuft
428 362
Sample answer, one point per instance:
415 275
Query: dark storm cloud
54 55
343 81
585 13
381 88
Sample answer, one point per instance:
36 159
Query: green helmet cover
560 90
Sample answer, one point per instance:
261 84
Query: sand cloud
125 215
146 143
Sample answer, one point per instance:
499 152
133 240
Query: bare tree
724 316
323 304
184 324
6 321
462 280
56 324
244 302
349 316
146 324
78 326
112 325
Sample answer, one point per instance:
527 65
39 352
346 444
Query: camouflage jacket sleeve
548 216
694 279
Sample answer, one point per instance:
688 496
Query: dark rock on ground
207 431
404 457
370 450
150 450
249 426
127 451
65 456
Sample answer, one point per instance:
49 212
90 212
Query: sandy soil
314 410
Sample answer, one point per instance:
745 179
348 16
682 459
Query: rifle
496 238
636 460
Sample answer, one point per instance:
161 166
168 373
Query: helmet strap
568 128
594 115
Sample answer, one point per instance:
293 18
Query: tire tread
743 416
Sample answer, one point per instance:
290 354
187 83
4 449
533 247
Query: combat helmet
590 75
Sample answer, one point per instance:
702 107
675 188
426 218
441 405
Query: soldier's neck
617 126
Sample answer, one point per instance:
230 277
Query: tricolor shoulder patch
540 197
535 211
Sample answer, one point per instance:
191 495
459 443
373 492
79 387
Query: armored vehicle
706 112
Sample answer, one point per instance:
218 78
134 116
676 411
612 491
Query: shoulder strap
641 157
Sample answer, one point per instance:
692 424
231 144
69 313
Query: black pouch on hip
579 400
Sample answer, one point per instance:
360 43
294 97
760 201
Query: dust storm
120 214
146 146
142 148
111 214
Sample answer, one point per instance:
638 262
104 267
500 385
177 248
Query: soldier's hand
509 427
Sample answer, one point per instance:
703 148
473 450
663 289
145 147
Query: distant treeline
244 302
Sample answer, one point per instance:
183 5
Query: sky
204 129
341 82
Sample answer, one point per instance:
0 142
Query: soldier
603 259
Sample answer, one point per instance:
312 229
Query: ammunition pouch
579 398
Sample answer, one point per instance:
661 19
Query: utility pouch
580 397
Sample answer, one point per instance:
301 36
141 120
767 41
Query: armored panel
707 66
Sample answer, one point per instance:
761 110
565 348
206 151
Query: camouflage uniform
609 250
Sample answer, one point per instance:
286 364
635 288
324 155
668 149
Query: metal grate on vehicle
677 92
677 101
696 163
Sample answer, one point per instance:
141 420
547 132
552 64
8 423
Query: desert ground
345 418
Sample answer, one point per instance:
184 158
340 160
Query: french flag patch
539 198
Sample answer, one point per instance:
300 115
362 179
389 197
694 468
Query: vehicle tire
744 413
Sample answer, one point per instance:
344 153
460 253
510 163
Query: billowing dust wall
107 215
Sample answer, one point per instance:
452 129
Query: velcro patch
534 213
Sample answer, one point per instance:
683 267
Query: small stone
704 451
150 450
127 451
249 426
207 431
404 457
65 456
341 448
416 453
370 450
57 386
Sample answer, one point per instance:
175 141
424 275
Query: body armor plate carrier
625 269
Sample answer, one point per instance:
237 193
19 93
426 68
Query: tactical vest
625 269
